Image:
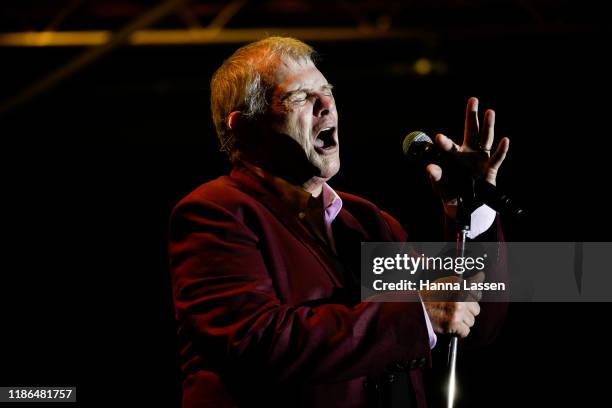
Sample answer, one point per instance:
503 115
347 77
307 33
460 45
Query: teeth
319 143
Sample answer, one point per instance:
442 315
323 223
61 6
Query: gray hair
244 81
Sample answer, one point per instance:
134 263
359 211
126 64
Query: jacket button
302 215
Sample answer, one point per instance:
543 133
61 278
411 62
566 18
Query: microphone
420 149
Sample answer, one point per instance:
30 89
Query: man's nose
323 105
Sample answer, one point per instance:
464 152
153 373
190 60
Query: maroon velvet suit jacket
263 308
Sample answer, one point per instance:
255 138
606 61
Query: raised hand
475 151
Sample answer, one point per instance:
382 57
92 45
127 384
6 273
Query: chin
328 171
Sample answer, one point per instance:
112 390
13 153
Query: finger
434 172
469 295
470 133
488 130
477 278
500 153
473 295
446 143
474 308
462 330
476 295
469 320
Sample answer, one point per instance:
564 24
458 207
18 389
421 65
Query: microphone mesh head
412 137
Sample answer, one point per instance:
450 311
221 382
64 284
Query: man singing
265 261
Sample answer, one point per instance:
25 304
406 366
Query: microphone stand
466 199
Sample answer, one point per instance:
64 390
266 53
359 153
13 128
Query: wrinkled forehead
290 74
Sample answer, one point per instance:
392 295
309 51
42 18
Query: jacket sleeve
493 312
226 299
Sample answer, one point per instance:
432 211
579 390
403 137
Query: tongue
319 142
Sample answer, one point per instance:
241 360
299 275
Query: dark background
92 167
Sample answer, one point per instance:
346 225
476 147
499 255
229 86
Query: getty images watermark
487 271
457 266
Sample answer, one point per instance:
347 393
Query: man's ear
232 120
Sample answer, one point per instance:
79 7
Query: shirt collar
332 203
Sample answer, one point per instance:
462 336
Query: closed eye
299 97
296 98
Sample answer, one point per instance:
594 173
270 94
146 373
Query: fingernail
474 104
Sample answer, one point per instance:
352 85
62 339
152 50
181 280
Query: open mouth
325 139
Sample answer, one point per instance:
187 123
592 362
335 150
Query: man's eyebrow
326 87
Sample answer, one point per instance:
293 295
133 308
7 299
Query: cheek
295 122
300 125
